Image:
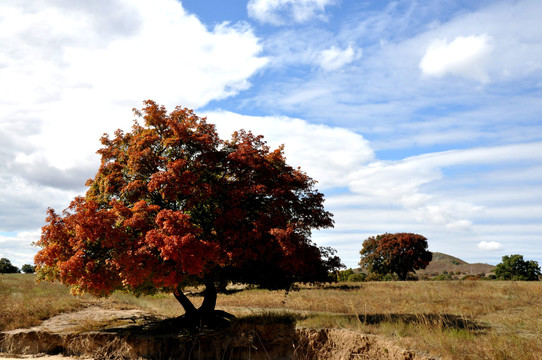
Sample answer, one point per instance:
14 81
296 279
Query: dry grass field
446 319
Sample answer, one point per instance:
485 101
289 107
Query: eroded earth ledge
135 334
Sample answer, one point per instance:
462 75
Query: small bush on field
374 277
412 277
442 277
356 277
390 277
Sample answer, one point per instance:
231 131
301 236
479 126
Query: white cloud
393 180
24 202
334 58
490 246
325 153
399 183
277 12
465 56
18 247
71 72
415 187
402 182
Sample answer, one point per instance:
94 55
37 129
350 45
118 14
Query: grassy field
448 319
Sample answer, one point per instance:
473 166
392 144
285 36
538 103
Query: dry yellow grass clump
446 319
24 304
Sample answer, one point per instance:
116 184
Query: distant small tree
398 253
7 268
513 267
28 269
342 275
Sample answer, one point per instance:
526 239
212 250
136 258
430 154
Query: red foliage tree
398 253
172 204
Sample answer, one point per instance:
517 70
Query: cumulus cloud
334 58
71 72
278 12
325 153
402 182
465 56
18 247
490 246
23 203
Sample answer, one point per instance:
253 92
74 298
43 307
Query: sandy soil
92 317
45 357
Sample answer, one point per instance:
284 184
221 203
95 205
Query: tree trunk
187 305
206 314
209 298
208 305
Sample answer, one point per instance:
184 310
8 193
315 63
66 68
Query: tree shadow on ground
443 321
254 337
182 325
333 286
179 326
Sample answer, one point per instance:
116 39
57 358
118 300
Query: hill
444 262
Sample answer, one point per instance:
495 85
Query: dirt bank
41 357
132 334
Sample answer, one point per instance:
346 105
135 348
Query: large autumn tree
398 253
173 205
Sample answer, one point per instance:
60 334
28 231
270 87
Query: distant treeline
6 267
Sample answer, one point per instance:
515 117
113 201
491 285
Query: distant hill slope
444 262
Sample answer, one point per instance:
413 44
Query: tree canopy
7 268
172 204
513 267
28 269
398 253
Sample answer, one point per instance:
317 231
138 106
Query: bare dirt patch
41 357
96 333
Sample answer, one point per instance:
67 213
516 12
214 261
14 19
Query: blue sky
413 116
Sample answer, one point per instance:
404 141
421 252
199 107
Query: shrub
344 274
356 277
374 277
391 277
443 276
